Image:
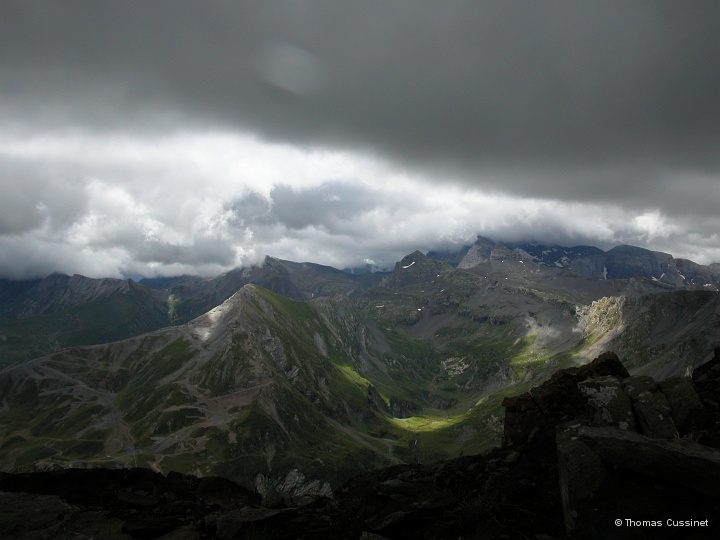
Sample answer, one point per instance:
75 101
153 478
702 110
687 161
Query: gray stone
371 536
150 526
688 412
230 524
639 384
387 520
608 405
580 469
652 410
684 462
522 416
136 498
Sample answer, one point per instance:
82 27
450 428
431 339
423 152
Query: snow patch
409 265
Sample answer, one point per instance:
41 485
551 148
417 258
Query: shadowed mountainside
570 466
290 397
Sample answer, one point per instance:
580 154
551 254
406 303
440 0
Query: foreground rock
592 453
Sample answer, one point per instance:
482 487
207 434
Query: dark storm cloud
569 100
183 137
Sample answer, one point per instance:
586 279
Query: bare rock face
581 471
690 464
607 403
645 482
631 429
707 382
688 412
557 400
616 434
651 407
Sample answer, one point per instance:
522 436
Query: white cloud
653 225
205 202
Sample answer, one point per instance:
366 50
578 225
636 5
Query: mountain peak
482 251
414 257
415 268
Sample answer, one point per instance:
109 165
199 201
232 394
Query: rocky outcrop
611 427
557 400
707 381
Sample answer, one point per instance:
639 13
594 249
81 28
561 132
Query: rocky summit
591 453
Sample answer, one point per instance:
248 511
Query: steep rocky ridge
62 311
620 262
41 316
271 392
192 296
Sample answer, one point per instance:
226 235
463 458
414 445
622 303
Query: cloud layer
145 138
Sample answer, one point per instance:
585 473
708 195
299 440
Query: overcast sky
159 138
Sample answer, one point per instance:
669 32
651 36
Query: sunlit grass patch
433 421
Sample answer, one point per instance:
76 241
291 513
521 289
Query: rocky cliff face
660 334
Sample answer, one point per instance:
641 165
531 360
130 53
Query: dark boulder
688 412
653 414
557 400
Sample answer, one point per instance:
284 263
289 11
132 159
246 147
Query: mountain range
291 377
